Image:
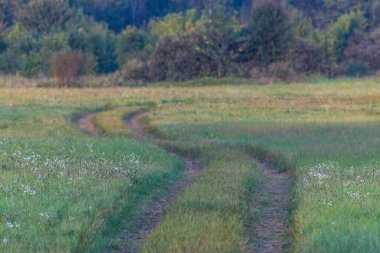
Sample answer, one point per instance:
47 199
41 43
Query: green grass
63 191
210 214
57 193
326 132
336 168
36 120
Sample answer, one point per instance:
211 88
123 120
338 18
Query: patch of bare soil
87 125
272 202
133 123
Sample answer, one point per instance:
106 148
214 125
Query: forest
139 41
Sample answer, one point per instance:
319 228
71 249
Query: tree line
158 40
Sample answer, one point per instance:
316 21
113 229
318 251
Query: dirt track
271 200
153 210
273 203
87 125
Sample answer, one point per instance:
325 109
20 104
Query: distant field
64 191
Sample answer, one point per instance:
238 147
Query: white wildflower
318 175
354 195
45 215
28 190
12 225
359 180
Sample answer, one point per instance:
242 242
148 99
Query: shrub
135 71
356 69
276 72
366 51
306 57
68 65
281 71
176 58
211 51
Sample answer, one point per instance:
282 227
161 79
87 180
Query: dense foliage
156 40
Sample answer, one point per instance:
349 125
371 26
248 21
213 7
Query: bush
281 71
68 65
135 71
275 73
356 69
211 51
176 59
366 51
307 57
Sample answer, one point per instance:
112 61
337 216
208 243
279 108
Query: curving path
270 203
155 210
152 211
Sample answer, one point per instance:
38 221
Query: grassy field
66 192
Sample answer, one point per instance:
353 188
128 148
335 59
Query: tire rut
154 212
272 202
86 124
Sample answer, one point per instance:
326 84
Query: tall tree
219 43
45 15
8 9
268 35
339 34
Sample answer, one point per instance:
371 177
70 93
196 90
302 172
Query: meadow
64 191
